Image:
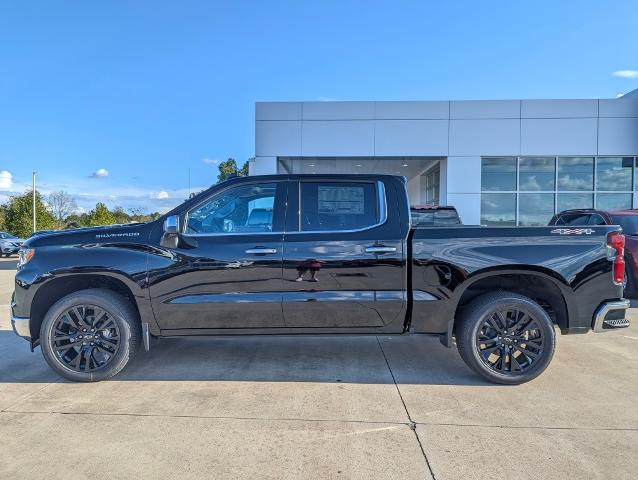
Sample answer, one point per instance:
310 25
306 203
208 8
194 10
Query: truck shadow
332 359
325 359
9 264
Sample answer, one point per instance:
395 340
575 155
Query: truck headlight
25 255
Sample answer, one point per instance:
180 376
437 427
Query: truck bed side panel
446 261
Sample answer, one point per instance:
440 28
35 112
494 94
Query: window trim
217 234
382 205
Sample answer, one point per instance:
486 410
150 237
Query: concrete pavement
329 407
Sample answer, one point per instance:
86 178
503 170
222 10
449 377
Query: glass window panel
536 174
613 201
329 206
629 223
596 220
574 219
614 173
535 209
569 201
241 209
498 209
498 174
576 173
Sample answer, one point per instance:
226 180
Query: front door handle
261 251
380 249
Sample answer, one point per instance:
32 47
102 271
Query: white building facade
504 162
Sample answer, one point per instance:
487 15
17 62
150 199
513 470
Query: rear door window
334 206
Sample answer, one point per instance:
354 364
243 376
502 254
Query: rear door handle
261 251
380 249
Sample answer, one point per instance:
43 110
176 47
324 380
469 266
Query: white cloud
210 161
100 173
626 73
161 195
6 180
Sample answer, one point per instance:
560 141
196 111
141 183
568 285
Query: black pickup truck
315 254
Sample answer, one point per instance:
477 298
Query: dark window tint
629 223
573 219
435 217
337 206
597 220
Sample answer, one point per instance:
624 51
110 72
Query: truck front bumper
21 327
611 315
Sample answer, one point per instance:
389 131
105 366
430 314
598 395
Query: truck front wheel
506 338
90 335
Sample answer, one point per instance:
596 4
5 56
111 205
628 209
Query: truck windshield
629 223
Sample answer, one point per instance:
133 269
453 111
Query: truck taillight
616 240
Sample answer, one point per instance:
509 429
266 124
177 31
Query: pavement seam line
407 412
26 396
530 427
205 417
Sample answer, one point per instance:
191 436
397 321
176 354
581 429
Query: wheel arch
56 288
542 285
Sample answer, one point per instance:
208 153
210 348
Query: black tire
504 355
119 324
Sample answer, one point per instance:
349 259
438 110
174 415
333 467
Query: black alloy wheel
90 335
506 337
509 341
85 338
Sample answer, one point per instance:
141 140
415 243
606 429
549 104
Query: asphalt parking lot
329 407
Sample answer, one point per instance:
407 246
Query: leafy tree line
58 212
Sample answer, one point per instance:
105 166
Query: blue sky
116 100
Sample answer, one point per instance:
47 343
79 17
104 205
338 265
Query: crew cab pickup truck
315 254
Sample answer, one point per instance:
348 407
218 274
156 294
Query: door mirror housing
171 225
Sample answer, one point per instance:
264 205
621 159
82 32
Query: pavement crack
208 417
411 423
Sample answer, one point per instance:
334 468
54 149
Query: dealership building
501 162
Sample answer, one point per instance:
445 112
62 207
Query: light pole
34 174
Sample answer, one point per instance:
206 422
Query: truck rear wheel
506 338
90 335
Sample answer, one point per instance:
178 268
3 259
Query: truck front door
226 270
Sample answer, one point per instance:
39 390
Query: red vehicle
627 219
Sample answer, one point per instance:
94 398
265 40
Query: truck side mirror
171 225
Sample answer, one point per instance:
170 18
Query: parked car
315 254
9 244
627 219
430 215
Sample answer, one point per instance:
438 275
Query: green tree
19 214
229 168
101 215
120 216
3 217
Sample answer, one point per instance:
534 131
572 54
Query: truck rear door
344 260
